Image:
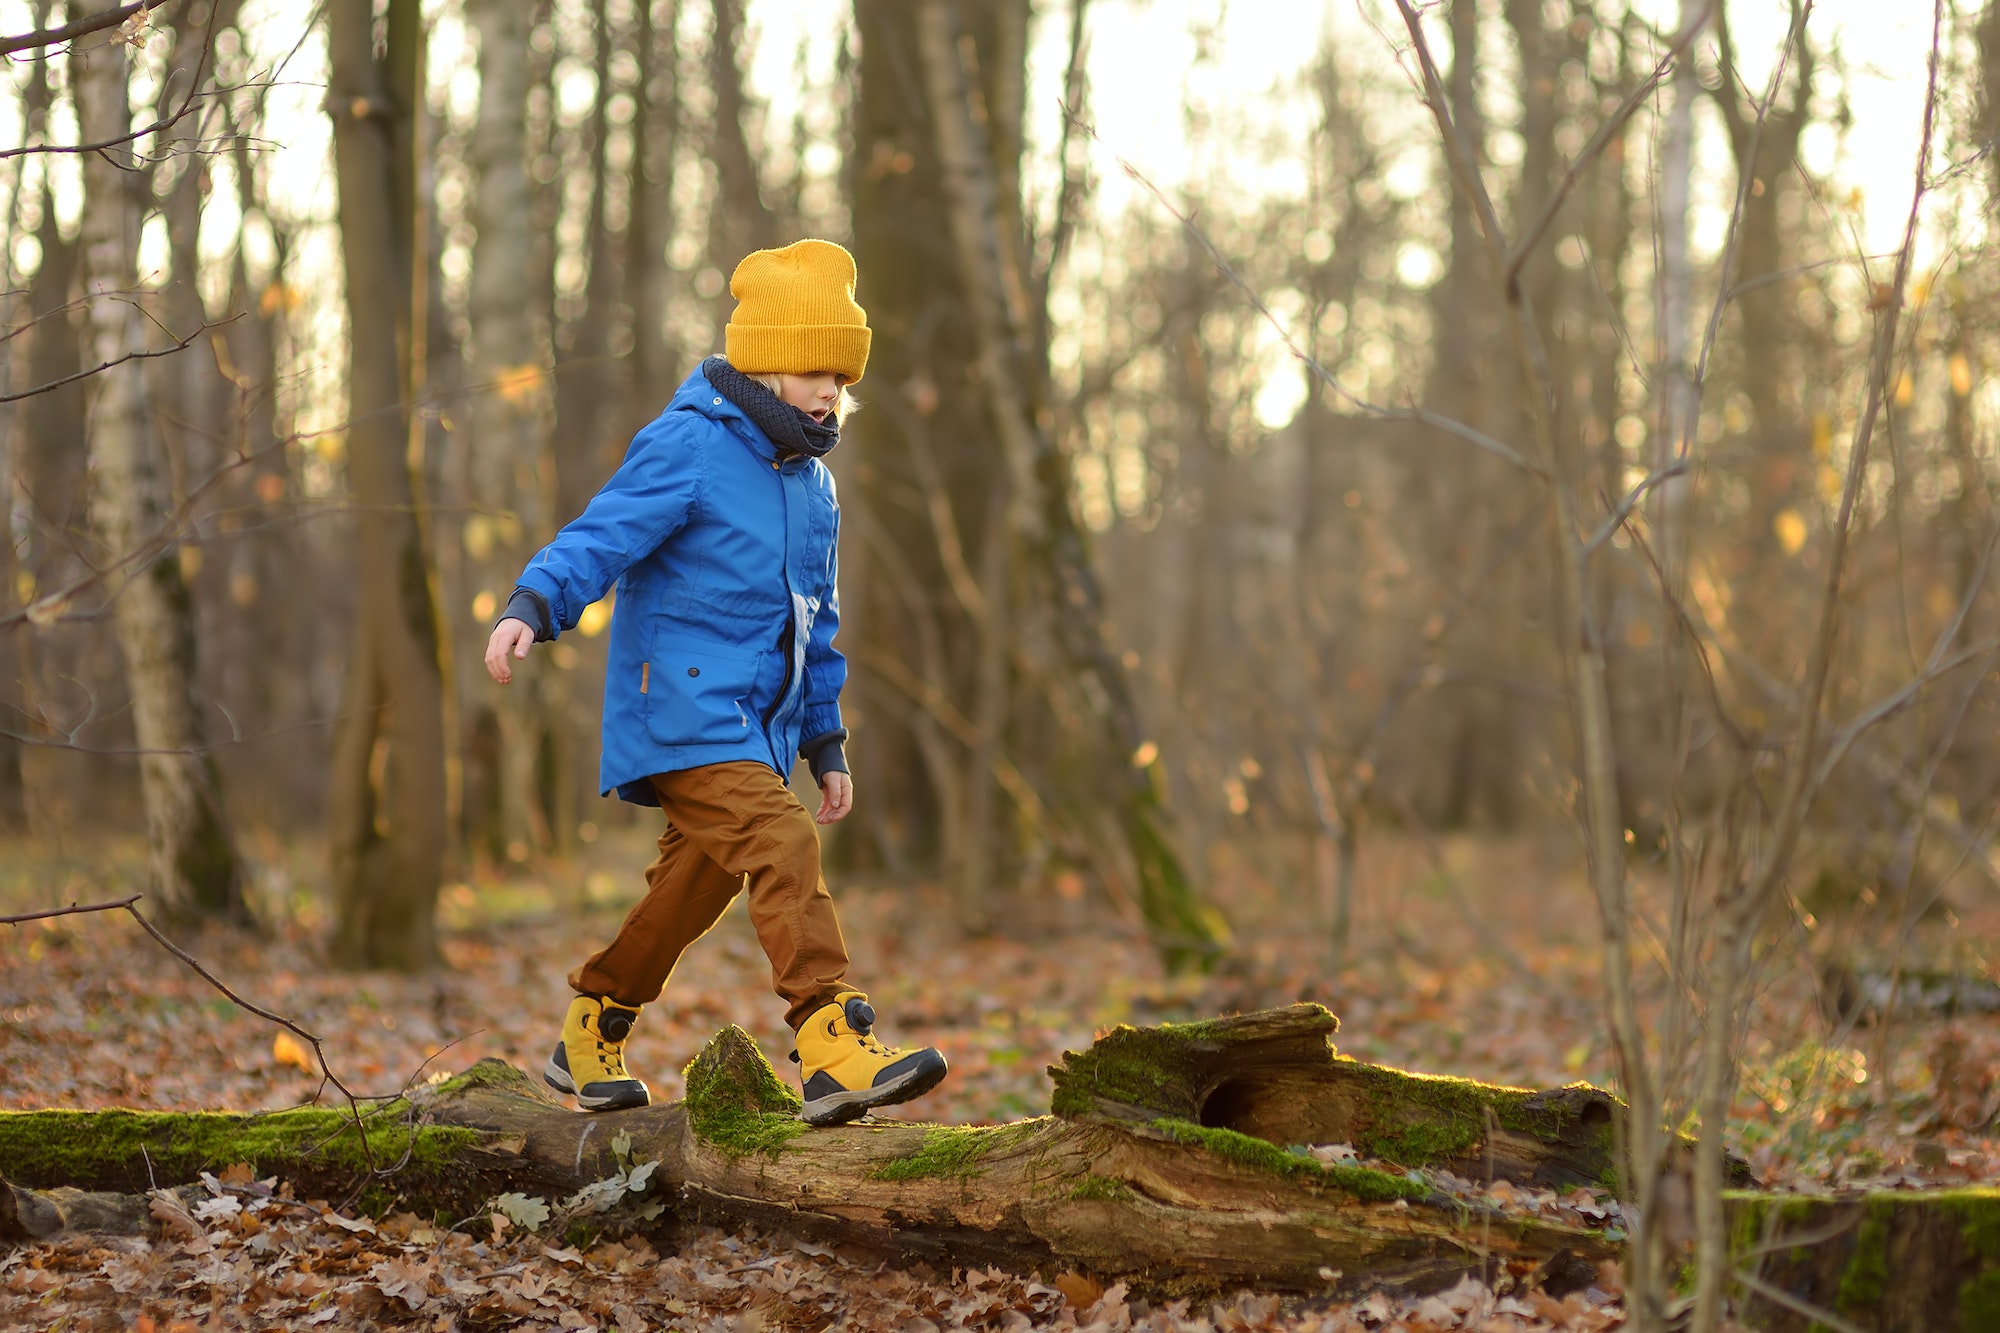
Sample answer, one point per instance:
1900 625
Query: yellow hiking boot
589 1061
847 1072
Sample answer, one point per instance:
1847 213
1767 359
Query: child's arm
825 739
646 501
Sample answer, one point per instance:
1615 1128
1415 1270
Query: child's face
816 393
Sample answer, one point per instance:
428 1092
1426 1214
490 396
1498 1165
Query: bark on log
1165 1165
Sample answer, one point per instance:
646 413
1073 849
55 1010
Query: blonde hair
843 405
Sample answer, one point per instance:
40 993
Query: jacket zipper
784 686
791 624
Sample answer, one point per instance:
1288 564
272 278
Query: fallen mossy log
1166 1162
1891 1262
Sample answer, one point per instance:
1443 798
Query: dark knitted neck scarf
789 428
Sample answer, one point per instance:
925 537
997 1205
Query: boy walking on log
719 530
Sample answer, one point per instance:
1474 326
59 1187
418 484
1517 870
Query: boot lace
610 1054
874 1047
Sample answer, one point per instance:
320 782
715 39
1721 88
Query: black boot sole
838 1108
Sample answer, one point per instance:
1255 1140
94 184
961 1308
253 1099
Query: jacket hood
696 394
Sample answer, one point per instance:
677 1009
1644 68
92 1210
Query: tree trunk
1027 667
741 221
512 471
45 502
656 134
192 864
386 799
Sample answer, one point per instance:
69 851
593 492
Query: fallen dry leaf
1079 1290
289 1050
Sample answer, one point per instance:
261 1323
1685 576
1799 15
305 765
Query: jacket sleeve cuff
826 753
531 609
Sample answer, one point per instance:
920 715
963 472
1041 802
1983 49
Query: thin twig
1897 701
74 909
129 905
1621 513
1741 907
179 345
1530 238
934 702
318 1048
1779 1296
1799 1240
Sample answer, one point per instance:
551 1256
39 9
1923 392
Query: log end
1168 1071
1274 1077
736 1103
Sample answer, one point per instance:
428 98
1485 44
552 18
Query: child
720 528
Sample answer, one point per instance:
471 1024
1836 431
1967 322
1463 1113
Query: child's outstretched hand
836 793
510 636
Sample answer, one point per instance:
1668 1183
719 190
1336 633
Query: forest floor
1482 962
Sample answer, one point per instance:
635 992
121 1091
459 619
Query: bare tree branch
82 27
48 608
1530 238
179 345
73 909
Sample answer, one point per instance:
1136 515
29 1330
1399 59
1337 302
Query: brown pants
727 822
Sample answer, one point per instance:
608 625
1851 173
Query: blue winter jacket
723 551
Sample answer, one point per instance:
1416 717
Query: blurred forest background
1102 524
1148 617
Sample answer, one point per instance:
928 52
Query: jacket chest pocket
699 693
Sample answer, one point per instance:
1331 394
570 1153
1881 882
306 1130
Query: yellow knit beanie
795 313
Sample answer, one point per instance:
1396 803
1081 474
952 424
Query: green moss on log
484 1074
954 1151
735 1100
1978 1215
1103 1189
1867 1275
1425 1119
1158 1069
1360 1181
132 1150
